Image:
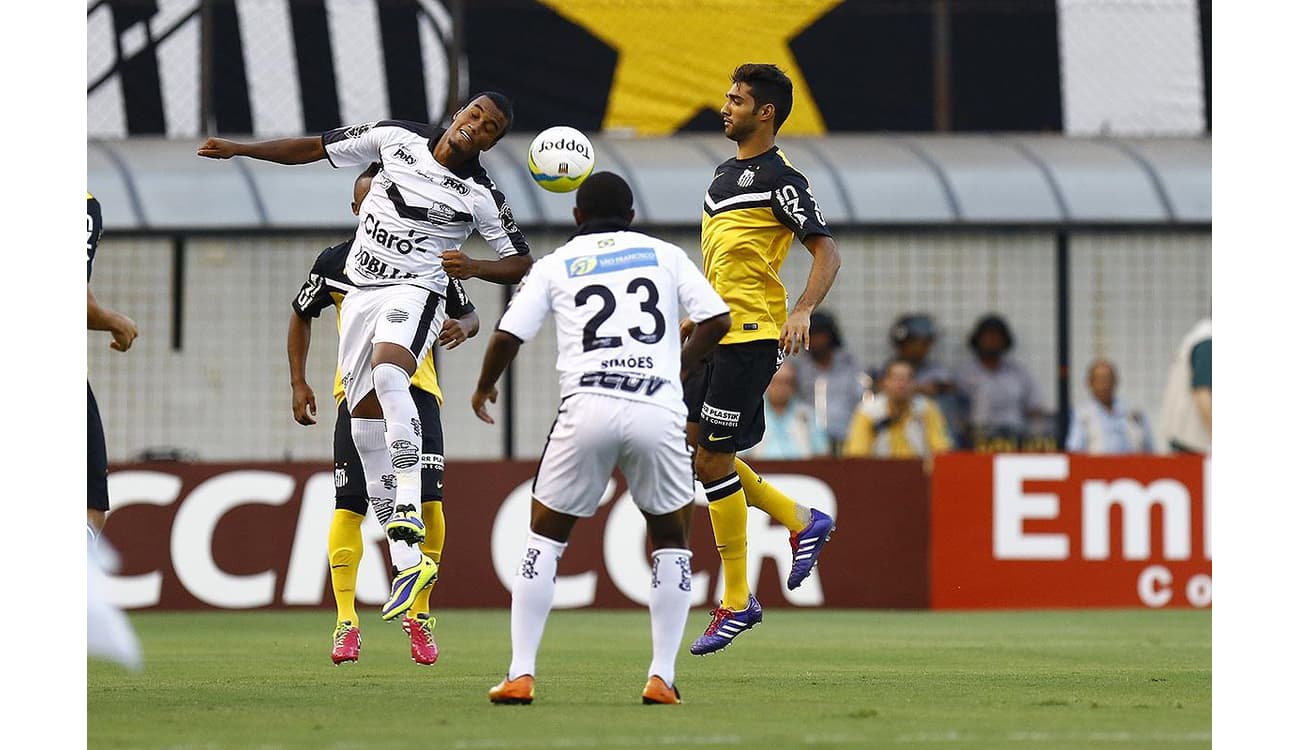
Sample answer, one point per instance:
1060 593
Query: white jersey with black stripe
417 208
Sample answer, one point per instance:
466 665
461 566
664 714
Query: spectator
792 432
1185 413
831 381
913 336
1003 398
1104 423
899 423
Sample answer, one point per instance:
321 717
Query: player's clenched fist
458 265
218 148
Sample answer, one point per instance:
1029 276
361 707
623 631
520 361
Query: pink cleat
423 648
347 643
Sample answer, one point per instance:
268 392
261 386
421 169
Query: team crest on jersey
356 131
507 218
441 213
746 178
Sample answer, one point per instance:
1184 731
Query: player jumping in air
325 287
615 294
755 206
429 196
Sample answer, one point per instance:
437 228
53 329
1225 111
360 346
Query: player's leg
361 312
418 622
571 477
96 469
657 466
345 541
810 528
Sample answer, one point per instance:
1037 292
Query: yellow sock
762 495
345 556
729 514
435 533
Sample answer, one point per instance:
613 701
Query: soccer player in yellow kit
756 205
325 287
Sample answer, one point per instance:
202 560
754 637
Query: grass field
802 679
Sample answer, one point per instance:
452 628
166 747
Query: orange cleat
657 692
518 691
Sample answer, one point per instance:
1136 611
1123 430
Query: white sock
530 602
670 601
368 436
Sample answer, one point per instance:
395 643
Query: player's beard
739 132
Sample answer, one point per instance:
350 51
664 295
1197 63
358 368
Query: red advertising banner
1050 530
242 536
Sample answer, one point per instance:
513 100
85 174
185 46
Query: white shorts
594 433
408 316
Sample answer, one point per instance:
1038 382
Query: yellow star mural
675 57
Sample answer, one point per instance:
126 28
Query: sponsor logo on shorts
432 461
398 316
716 438
720 417
632 257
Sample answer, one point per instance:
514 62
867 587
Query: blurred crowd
827 402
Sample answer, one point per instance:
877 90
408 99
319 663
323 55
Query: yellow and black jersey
327 284
94 228
753 210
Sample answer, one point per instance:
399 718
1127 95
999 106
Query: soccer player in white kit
430 194
615 294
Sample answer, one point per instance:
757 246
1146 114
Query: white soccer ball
560 158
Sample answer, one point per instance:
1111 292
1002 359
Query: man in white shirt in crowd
1104 423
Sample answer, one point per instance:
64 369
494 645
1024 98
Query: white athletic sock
402 431
368 436
670 601
530 602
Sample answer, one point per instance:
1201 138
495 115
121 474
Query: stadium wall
994 531
208 377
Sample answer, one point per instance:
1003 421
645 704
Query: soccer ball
560 158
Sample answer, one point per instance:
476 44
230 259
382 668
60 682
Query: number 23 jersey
615 297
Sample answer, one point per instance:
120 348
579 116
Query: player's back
615 296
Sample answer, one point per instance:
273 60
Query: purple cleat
726 625
807 545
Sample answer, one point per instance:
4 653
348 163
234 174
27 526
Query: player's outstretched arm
703 337
303 150
826 263
501 351
508 270
304 399
100 318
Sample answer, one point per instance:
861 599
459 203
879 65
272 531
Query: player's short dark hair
768 84
503 103
605 195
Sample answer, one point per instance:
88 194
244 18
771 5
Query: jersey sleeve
794 206
495 221
531 304
694 292
353 145
314 296
458 302
1202 356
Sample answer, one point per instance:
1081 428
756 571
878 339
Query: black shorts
96 456
349 477
726 395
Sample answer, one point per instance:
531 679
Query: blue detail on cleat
807 545
406 584
726 625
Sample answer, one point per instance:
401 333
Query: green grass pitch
804 678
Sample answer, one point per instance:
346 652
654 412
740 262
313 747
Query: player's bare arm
826 264
302 150
501 351
456 331
701 339
101 318
304 399
509 270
